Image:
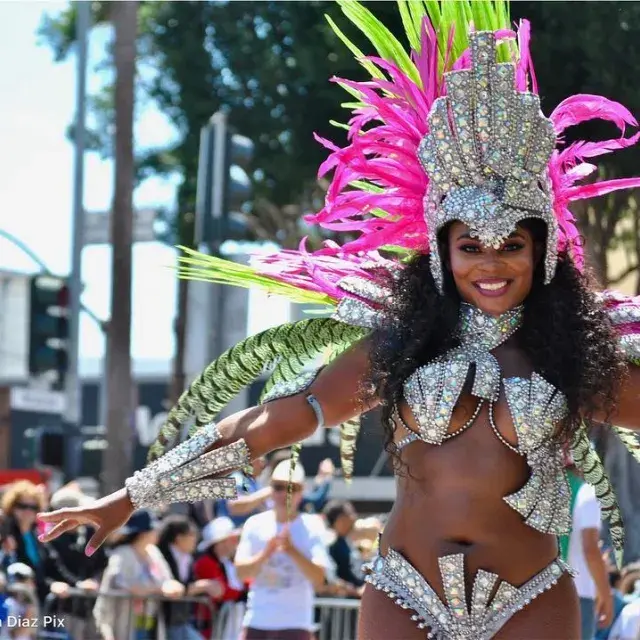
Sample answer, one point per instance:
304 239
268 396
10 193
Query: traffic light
224 186
49 328
50 448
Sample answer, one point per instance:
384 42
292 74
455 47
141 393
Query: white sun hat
282 473
216 531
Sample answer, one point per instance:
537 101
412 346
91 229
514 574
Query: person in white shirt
286 559
627 625
584 555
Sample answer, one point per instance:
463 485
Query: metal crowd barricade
71 618
228 621
337 618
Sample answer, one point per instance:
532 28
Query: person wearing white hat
286 559
215 563
220 530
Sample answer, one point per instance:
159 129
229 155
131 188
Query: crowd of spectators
171 575
176 570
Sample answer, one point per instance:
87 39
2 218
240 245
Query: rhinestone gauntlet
181 475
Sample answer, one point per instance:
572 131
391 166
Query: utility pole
223 187
120 433
72 416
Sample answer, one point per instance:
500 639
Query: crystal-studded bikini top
536 408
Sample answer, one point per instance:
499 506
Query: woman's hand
172 589
88 585
106 515
213 588
60 589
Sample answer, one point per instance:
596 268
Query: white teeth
493 286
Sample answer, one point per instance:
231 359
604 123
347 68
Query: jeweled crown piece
486 155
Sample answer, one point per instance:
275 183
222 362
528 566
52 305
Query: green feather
200 266
385 43
411 25
444 15
369 66
349 432
297 342
629 439
295 455
588 462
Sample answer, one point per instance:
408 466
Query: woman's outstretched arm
280 423
259 430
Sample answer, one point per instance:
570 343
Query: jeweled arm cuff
178 476
295 386
630 345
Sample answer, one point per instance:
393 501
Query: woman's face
186 542
147 537
25 509
226 548
494 280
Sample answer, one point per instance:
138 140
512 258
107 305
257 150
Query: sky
36 171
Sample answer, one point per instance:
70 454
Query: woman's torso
450 497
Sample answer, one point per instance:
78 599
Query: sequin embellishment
486 155
396 576
535 405
179 475
433 390
536 408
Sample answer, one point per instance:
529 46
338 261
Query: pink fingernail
41 537
89 551
47 527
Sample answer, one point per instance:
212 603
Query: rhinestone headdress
454 131
486 155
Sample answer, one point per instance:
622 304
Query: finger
59 515
58 530
97 540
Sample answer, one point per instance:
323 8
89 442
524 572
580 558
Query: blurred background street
195 127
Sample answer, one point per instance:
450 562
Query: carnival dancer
462 309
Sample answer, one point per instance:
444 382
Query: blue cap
140 522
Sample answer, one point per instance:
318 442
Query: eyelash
474 248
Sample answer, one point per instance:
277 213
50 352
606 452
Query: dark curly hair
565 334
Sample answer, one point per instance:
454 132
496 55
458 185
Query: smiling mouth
493 286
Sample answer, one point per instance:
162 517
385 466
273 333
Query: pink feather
583 107
381 150
587 191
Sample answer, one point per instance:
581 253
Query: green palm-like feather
298 342
385 43
446 16
629 439
349 431
289 369
200 266
589 463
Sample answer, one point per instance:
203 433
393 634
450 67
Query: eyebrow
468 236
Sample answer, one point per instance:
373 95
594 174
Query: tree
269 63
117 465
588 47
189 50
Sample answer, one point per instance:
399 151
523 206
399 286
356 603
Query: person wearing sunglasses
20 503
282 553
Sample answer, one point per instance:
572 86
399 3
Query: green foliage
591 47
269 65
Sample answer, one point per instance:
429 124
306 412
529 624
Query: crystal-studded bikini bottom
395 575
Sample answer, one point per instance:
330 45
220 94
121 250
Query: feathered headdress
451 130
